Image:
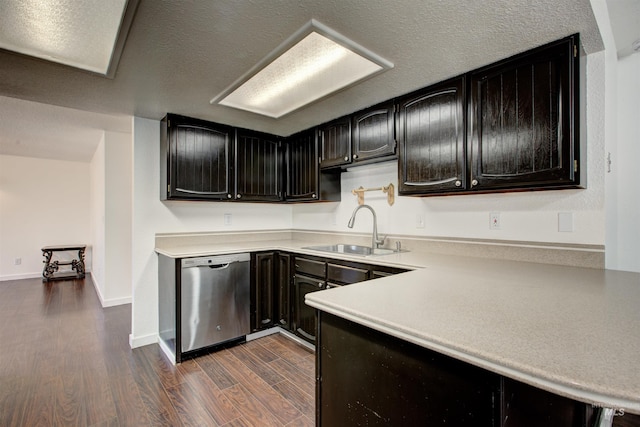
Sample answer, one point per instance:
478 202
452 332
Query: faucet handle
380 241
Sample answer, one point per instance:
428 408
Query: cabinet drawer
311 267
344 274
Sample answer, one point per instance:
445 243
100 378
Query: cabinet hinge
168 123
575 166
168 188
575 51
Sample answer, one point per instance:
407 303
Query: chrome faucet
375 241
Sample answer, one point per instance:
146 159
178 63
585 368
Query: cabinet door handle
458 183
355 156
474 182
229 196
346 158
238 196
319 284
313 196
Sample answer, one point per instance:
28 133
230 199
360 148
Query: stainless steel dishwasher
214 300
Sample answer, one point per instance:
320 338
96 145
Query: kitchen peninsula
571 331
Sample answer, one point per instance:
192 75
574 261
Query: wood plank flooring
66 361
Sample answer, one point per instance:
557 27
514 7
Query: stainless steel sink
351 249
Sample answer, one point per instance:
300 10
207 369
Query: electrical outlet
419 221
17 261
228 219
494 221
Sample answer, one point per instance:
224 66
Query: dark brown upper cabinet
373 133
303 177
335 143
431 136
365 137
302 165
258 167
197 159
516 127
523 121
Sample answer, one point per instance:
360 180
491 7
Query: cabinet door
412 386
283 283
524 131
335 143
374 133
305 316
263 290
432 139
258 167
302 167
196 159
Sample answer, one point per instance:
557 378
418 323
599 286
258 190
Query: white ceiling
181 54
32 129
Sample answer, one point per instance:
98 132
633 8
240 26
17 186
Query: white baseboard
116 301
20 276
112 302
135 342
167 351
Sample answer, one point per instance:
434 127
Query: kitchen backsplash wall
526 216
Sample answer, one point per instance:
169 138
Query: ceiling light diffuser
312 64
86 34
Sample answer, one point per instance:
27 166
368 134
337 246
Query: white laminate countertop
569 330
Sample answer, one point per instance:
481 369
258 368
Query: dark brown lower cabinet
366 377
262 290
305 316
283 285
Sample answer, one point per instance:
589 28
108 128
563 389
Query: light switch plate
227 219
565 222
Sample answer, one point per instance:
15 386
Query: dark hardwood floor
66 361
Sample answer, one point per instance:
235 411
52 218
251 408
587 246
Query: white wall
97 208
42 202
111 193
622 136
151 216
118 217
623 245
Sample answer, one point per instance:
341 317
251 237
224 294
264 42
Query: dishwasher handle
217 266
216 262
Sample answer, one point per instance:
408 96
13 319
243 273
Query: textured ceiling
179 54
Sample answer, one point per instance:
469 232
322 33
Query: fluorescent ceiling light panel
87 34
312 64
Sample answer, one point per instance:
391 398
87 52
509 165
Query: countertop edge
587 396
